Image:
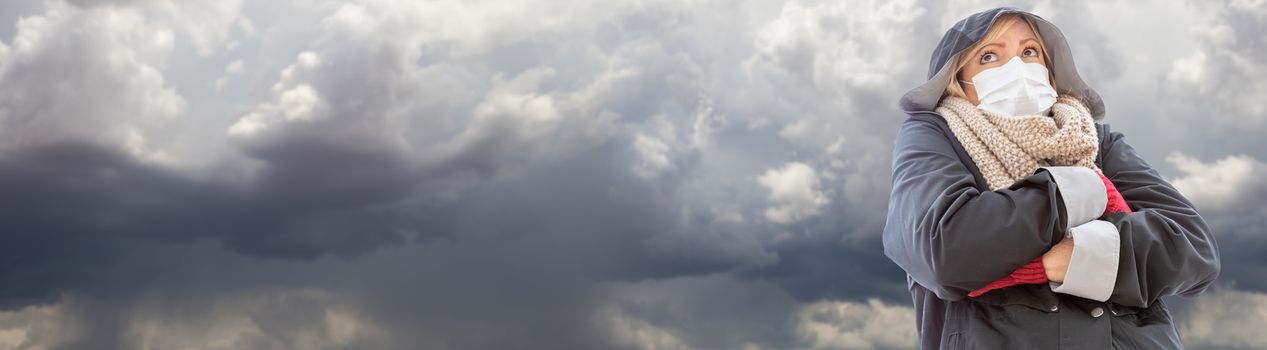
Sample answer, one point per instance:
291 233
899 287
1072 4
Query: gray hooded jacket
953 235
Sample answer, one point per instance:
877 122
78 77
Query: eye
1030 52
989 57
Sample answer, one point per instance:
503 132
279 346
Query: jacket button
1097 311
1055 308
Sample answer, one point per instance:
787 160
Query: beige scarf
1007 149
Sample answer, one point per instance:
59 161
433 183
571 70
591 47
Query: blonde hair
996 30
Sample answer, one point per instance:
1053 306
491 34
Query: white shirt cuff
1083 192
1093 267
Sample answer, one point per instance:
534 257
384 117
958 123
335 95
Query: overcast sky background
540 174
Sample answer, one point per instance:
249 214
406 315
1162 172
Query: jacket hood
924 98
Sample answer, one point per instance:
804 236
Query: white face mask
1015 88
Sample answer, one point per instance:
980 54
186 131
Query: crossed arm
952 238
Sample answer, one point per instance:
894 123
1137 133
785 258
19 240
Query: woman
1020 221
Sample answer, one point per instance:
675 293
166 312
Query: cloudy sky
643 174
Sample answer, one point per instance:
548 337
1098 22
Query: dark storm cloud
72 208
812 271
546 231
1231 200
1220 74
533 274
77 189
1241 246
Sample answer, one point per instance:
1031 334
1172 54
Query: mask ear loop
966 82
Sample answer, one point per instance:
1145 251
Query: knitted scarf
1009 148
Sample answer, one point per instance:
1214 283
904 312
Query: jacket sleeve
951 237
1166 247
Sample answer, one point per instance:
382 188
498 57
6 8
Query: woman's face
1017 40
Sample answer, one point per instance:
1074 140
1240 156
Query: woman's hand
1056 260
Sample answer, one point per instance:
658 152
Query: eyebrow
997 44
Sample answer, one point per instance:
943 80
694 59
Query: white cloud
852 325
306 60
709 312
4 53
36 327
1227 192
472 27
794 192
795 130
233 69
514 116
257 320
205 23
1227 318
1220 184
633 333
301 103
390 76
86 74
700 312
653 156
834 71
842 45
707 121
1190 71
1224 68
